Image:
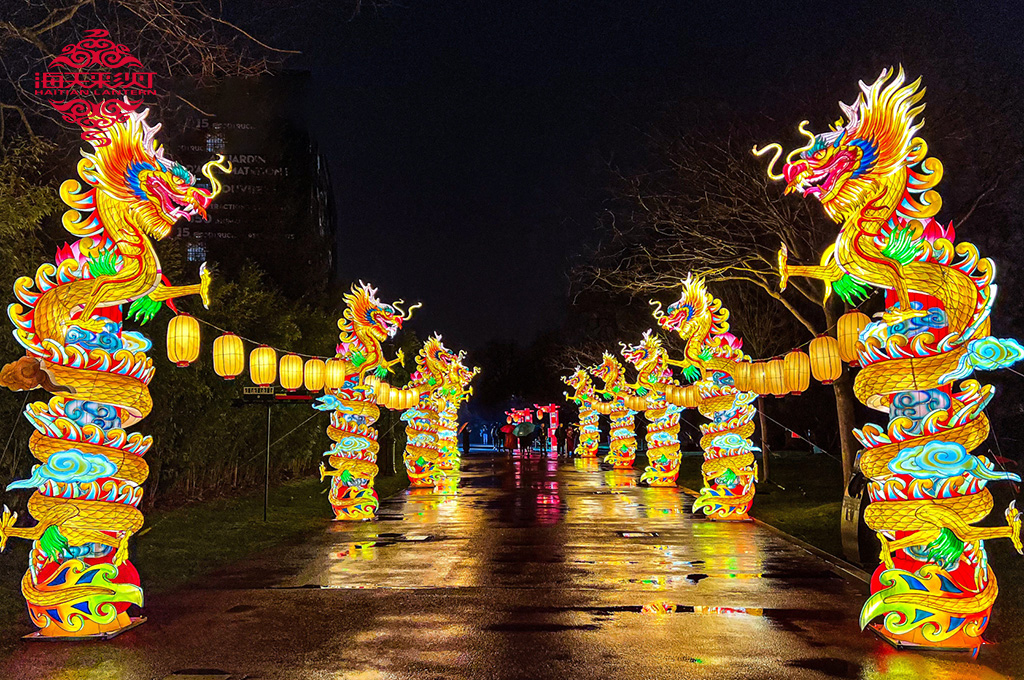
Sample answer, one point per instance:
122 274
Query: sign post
269 396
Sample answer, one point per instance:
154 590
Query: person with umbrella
522 431
508 437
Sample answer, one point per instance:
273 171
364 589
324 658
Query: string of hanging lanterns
792 372
229 359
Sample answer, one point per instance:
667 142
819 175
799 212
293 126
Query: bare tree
706 207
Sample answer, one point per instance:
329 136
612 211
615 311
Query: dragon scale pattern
873 177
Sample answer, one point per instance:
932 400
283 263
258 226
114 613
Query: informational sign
271 395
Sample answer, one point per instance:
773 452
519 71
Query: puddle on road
830 666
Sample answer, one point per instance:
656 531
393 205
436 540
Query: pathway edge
848 569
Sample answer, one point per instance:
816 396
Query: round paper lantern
848 331
796 367
183 339
291 372
335 374
263 366
826 365
228 356
775 374
741 376
758 379
690 396
313 374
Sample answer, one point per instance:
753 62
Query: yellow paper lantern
775 374
335 374
758 378
183 340
228 356
291 372
848 332
741 376
826 365
796 368
263 366
313 374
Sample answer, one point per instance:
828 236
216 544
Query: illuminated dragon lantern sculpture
872 175
365 324
711 356
620 407
456 392
585 397
453 393
88 483
654 379
423 422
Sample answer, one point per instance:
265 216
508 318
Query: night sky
469 141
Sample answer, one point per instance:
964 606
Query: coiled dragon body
584 396
622 432
654 376
872 175
711 355
364 325
88 485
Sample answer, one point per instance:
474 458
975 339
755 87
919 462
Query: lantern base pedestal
107 635
902 644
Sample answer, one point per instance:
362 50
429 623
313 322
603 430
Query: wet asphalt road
535 568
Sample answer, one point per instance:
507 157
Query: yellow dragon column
365 324
622 433
872 175
458 391
88 484
423 422
653 381
585 396
712 353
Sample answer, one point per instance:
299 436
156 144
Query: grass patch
179 546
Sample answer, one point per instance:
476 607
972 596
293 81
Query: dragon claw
205 277
6 522
1013 521
121 555
899 314
783 268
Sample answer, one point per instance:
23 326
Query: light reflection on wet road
532 568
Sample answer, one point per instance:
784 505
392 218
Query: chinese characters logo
94 83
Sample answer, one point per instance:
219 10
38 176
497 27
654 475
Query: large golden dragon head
868 157
581 383
461 374
365 324
368 318
648 357
128 172
695 313
609 371
434 362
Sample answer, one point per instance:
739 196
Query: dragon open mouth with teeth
873 176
